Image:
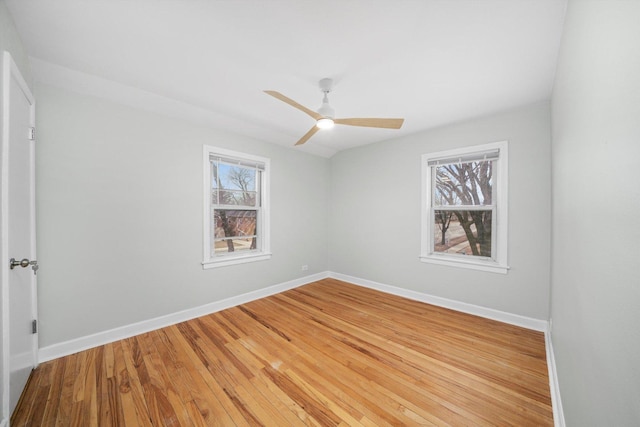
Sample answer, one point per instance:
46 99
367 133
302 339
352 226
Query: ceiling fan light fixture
325 123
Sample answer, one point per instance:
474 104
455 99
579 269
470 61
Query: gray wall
374 224
120 204
9 41
596 203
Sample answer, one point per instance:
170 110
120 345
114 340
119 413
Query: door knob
24 263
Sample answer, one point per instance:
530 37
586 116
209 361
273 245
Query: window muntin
236 229
464 207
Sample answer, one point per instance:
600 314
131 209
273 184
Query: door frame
11 72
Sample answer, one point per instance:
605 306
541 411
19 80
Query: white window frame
263 252
498 262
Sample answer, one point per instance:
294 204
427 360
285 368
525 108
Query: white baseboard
554 385
83 343
489 313
73 346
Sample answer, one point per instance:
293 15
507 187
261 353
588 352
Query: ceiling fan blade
372 123
293 103
308 135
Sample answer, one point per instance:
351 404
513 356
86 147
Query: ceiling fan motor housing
326 85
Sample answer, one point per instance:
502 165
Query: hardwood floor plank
62 412
110 410
197 378
80 376
129 394
36 411
198 366
159 373
55 390
325 354
178 378
238 375
157 394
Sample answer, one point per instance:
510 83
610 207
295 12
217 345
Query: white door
18 230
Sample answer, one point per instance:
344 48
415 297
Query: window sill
471 264
242 259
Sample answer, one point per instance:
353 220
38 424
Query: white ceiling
432 62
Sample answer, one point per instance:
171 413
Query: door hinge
32 134
34 326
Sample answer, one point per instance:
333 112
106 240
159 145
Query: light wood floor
328 353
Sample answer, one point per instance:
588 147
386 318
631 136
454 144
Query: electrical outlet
304 267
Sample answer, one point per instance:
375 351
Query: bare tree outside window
463 196
443 220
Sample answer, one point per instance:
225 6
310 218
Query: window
464 207
236 224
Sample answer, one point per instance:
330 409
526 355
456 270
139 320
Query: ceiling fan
325 116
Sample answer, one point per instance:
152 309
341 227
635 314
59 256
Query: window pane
463 232
469 183
234 230
233 184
